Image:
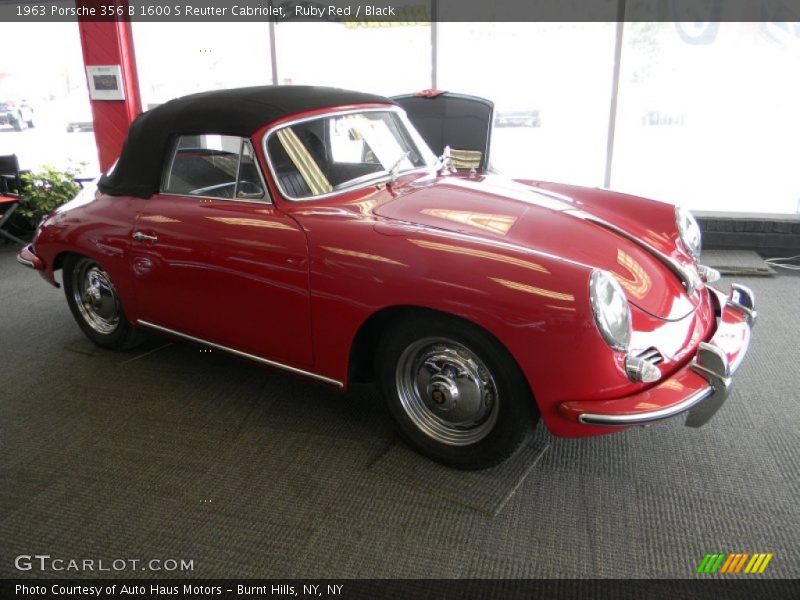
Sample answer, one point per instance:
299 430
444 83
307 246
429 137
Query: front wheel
95 305
456 394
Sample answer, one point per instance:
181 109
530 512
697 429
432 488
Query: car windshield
320 156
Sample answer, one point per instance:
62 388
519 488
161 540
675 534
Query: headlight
611 311
689 231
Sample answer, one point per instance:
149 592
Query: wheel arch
58 261
363 349
58 265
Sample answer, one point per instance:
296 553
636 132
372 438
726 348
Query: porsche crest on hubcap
447 391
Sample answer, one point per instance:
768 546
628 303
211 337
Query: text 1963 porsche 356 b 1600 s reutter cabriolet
314 230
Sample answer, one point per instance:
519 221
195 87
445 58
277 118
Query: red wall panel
111 43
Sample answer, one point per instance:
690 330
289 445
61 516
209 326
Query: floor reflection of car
79 117
518 118
17 114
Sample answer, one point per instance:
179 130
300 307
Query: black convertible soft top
240 112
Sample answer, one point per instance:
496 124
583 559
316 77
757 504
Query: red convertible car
313 230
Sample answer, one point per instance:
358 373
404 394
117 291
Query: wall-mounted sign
105 82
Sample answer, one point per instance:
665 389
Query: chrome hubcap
446 391
95 297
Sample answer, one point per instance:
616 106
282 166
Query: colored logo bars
734 562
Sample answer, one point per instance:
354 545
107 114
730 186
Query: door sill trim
253 357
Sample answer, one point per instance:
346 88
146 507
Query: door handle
143 237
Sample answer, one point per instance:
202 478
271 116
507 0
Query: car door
214 259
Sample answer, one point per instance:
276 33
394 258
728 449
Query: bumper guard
715 361
28 258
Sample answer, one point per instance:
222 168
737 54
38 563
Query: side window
213 166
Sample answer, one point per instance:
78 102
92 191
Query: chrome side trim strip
253 357
647 417
193 197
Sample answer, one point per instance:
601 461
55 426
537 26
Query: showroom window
387 60
551 85
708 117
688 93
175 61
49 90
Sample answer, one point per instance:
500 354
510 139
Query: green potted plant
42 192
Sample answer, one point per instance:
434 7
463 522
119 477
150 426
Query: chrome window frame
337 113
266 199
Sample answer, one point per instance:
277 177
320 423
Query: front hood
500 209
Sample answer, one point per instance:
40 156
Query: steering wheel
218 190
226 190
250 189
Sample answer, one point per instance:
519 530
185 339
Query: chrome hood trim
689 282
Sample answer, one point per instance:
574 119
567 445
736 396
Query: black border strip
403 12
743 587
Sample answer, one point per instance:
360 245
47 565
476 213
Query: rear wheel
95 305
455 393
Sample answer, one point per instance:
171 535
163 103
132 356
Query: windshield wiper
396 167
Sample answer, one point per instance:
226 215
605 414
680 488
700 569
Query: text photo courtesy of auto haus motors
414 299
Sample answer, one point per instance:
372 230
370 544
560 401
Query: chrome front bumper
27 257
715 362
712 363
